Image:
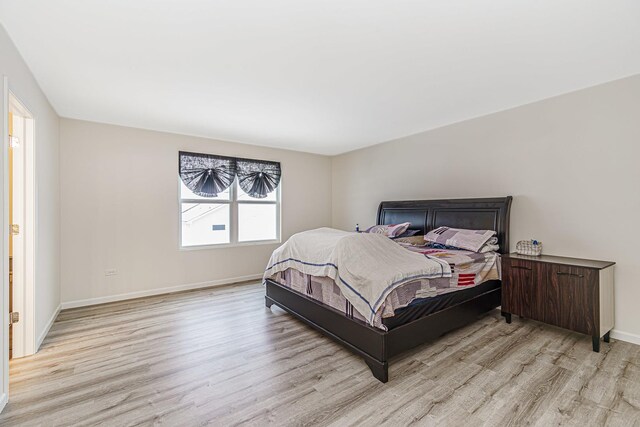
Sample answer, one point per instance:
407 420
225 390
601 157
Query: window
227 216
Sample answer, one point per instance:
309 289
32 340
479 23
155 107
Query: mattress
422 307
469 271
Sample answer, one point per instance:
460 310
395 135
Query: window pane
244 196
257 222
205 223
185 193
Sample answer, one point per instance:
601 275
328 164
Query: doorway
20 193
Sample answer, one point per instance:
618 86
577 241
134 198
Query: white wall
47 289
120 210
571 163
26 89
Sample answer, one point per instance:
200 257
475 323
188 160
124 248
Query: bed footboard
357 336
374 345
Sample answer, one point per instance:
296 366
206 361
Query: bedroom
357 104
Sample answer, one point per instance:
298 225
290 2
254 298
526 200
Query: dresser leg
596 344
507 317
607 336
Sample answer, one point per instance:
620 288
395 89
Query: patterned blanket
468 269
366 267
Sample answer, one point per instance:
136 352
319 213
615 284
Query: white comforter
366 267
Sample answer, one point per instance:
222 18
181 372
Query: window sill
230 245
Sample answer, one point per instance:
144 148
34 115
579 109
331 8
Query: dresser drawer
572 298
520 289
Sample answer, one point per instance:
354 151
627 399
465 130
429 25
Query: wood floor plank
218 357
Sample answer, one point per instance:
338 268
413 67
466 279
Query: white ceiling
324 76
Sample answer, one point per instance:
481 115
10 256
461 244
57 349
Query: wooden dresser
571 293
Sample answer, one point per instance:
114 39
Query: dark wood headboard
475 214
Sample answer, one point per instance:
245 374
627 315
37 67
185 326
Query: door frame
24 337
4 248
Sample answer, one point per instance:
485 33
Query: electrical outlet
110 272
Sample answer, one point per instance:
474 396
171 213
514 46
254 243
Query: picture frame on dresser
571 293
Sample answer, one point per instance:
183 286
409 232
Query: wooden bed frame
375 345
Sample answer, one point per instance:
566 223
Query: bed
414 324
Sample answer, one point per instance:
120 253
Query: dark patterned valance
258 178
207 175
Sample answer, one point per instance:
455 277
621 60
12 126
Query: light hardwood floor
218 356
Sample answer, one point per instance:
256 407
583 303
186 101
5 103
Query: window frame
233 218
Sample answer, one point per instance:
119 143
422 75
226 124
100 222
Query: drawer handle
562 273
520 267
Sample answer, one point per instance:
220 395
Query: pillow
433 245
409 233
389 230
411 241
489 248
471 240
484 249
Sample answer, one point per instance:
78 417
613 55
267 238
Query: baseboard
47 328
159 291
3 401
625 336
